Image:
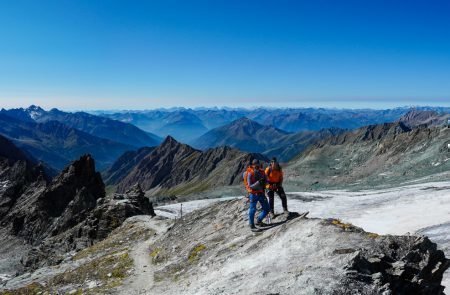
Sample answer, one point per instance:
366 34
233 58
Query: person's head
255 163
273 162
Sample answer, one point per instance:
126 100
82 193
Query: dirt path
141 281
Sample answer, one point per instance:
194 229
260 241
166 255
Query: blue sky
149 54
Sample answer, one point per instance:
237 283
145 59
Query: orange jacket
253 176
274 175
245 176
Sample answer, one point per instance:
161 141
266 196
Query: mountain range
56 144
286 119
174 168
250 136
94 125
56 138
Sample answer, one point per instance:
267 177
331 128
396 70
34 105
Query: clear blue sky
148 54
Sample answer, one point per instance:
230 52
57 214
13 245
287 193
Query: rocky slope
101 127
57 144
69 214
386 154
124 164
291 145
17 172
176 169
212 251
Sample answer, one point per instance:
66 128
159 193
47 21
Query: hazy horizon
108 110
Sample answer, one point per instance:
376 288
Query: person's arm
255 185
282 177
249 181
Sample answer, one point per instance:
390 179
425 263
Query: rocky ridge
176 169
426 118
385 154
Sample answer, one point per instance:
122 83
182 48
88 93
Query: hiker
274 175
245 177
256 181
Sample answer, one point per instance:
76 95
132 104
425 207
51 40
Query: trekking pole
181 211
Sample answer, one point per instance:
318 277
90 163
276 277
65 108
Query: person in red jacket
256 182
274 175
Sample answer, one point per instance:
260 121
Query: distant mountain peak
169 141
244 120
35 108
35 112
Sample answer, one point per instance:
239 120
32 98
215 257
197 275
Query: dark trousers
280 192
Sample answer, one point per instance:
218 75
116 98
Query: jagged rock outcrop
69 214
212 251
175 168
64 203
109 213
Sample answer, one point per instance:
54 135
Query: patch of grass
195 252
110 189
113 241
109 270
190 188
343 225
157 255
31 289
373 235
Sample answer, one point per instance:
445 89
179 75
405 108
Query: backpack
245 177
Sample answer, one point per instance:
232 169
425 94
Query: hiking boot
254 228
262 224
286 212
272 215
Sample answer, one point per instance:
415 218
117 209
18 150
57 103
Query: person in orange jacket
255 185
274 175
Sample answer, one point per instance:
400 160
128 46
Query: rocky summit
212 251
